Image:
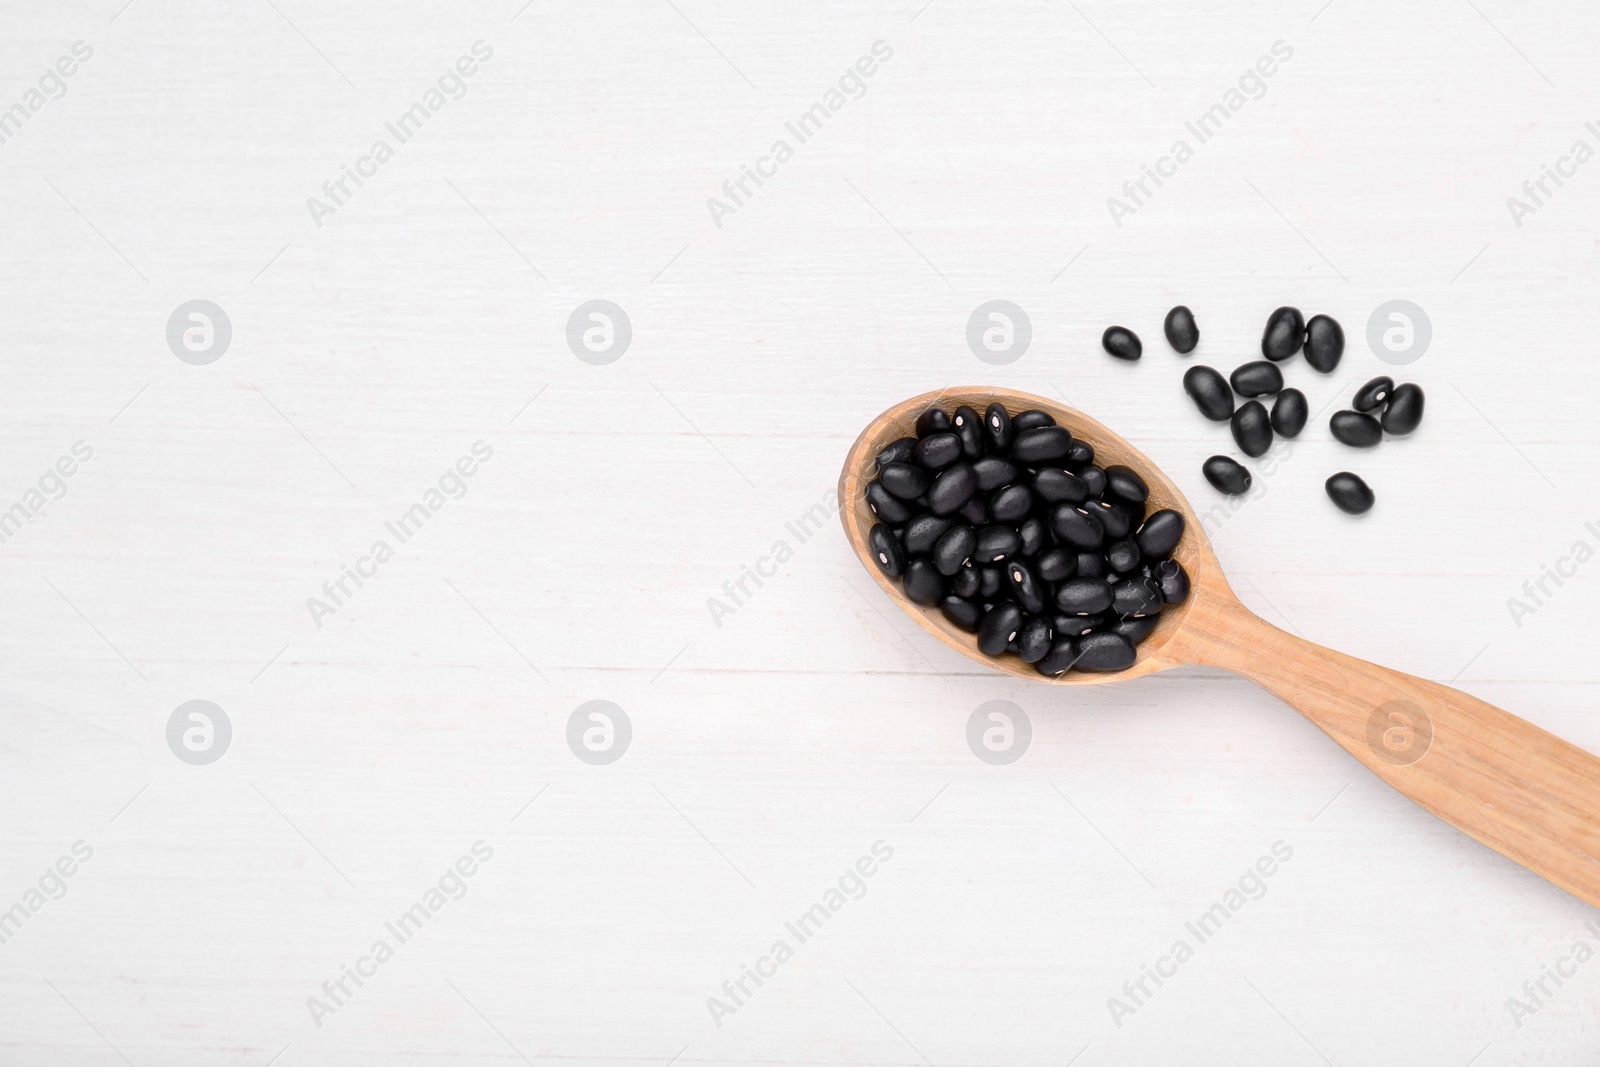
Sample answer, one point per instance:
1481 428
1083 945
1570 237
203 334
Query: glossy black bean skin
1031 419
1027 589
999 627
897 452
1324 343
974 511
1033 640
1257 378
932 421
996 543
1182 333
953 487
1040 445
1035 536
1174 581
1404 413
1011 504
1113 520
923 584
1121 342
1080 455
887 507
1075 527
1286 330
923 531
1105 652
1349 493
887 550
1356 429
1091 565
963 613
1078 625
1060 659
1056 486
1083 596
1252 428
954 549
997 427
1209 391
938 450
905 480
991 582
1133 597
1094 478
965 583
1136 630
1374 394
1123 556
968 426
993 472
1056 563
1290 412
1226 475
1160 534
1125 484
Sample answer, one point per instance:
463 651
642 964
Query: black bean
1290 412
932 421
1226 475
969 427
993 472
1174 581
1059 660
938 450
1054 485
1056 563
1133 597
1252 429
1035 536
997 427
1011 504
1350 493
1209 391
1324 343
923 583
1182 333
1105 652
887 550
975 511
1121 342
897 452
1404 413
1078 625
1355 428
887 507
1081 454
1074 526
996 543
1257 378
1083 596
1028 590
1285 332
1094 478
953 487
1124 484
1374 394
999 627
923 531
1033 640
1123 556
991 582
964 613
1041 445
1136 630
1160 534
965 583
904 480
954 549
1113 520
1091 565
1031 419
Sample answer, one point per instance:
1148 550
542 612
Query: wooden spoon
1522 791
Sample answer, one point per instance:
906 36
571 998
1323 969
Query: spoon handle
1522 791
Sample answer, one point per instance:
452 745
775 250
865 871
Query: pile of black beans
1005 524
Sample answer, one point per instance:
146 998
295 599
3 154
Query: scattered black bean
1031 419
1259 378
1356 428
964 613
1285 332
1226 475
1404 413
1182 333
932 421
1121 342
1210 392
1374 394
1290 412
1324 343
952 488
1252 428
1350 493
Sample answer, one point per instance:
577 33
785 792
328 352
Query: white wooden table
376 339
